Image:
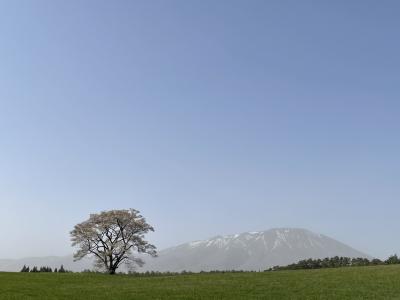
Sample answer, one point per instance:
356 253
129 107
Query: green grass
381 282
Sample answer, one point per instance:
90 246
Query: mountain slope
250 251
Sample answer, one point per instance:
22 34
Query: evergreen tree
61 270
25 269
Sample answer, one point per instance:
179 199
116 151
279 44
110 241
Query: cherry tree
112 238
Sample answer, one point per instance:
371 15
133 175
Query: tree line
336 262
44 269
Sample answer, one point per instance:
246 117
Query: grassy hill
381 282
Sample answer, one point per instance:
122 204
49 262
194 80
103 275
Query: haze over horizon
208 117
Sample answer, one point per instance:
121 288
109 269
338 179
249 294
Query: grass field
382 282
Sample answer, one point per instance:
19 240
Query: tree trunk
111 268
111 271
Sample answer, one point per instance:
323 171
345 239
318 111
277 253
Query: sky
210 117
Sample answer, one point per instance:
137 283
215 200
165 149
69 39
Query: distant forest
26 269
336 262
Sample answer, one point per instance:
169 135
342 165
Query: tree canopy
113 237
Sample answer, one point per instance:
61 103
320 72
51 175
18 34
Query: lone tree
112 237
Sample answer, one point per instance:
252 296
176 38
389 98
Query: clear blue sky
210 117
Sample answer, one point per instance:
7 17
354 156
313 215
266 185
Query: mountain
246 251
250 251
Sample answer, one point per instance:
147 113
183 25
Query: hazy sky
210 117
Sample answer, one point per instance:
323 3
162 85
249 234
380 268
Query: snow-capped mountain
250 251
246 251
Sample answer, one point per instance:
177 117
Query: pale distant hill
15 265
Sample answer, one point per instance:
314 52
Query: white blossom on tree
113 237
